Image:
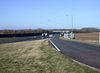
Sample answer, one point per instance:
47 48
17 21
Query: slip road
88 54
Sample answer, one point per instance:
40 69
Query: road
88 54
24 39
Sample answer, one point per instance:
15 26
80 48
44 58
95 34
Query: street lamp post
72 35
72 21
99 36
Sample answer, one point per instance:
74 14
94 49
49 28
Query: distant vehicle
50 35
43 35
34 36
46 34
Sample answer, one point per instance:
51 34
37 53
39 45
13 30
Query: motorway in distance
24 39
88 54
37 37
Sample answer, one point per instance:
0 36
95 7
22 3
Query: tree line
25 31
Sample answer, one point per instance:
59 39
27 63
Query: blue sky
49 14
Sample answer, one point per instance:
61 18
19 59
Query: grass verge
55 62
36 57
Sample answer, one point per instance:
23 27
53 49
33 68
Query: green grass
50 60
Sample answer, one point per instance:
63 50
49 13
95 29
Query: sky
49 14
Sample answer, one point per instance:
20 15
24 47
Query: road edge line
96 69
55 46
75 60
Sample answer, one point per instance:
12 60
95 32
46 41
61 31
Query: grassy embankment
36 57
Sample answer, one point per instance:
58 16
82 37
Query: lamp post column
99 36
72 23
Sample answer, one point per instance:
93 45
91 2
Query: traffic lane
25 39
77 45
19 40
88 54
86 58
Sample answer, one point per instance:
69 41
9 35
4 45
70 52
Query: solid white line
54 45
86 65
75 60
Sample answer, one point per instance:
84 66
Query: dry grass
36 57
14 57
88 37
85 37
32 47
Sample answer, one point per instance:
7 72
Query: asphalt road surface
24 39
88 54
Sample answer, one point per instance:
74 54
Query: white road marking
54 45
75 60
